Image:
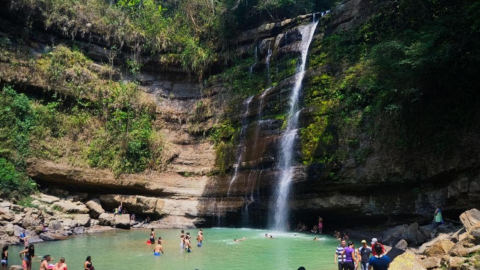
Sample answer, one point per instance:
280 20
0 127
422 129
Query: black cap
350 243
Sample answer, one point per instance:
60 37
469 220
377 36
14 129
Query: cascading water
256 61
267 62
281 211
242 147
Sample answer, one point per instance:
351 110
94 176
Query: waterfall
267 62
256 61
288 138
242 146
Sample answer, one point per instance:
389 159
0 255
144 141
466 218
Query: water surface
127 250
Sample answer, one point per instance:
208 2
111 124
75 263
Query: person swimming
266 235
158 248
316 239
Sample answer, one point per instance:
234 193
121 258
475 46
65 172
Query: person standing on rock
365 253
339 255
28 255
380 261
24 238
5 257
437 217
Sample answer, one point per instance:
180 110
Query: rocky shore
450 246
51 218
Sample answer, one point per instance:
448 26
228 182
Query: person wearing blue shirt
379 261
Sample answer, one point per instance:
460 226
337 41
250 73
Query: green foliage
14 184
16 122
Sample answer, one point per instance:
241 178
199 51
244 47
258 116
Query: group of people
350 258
185 242
341 236
28 255
317 228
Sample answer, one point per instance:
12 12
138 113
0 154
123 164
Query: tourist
350 259
188 246
365 252
271 237
266 235
88 264
299 226
315 229
236 240
160 240
44 262
147 220
316 239
339 255
301 268
437 217
374 242
61 265
28 255
24 238
158 248
379 262
345 236
320 225
120 208
132 217
182 240
200 238
152 236
337 235
304 228
4 257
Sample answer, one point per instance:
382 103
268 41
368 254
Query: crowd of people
28 255
366 257
302 227
185 242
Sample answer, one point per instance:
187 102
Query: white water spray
281 209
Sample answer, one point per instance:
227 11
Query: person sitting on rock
315 229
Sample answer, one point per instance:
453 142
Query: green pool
127 250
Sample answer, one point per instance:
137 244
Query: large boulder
79 230
46 198
106 219
406 261
71 207
54 225
440 248
432 262
122 221
95 208
413 234
50 236
134 204
470 218
455 263
82 220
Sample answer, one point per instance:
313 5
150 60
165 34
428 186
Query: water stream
281 211
242 146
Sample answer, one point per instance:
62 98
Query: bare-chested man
44 263
158 248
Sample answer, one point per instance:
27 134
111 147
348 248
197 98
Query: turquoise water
127 250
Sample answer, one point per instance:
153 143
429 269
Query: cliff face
388 184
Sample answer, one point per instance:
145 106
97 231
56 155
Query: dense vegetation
409 59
